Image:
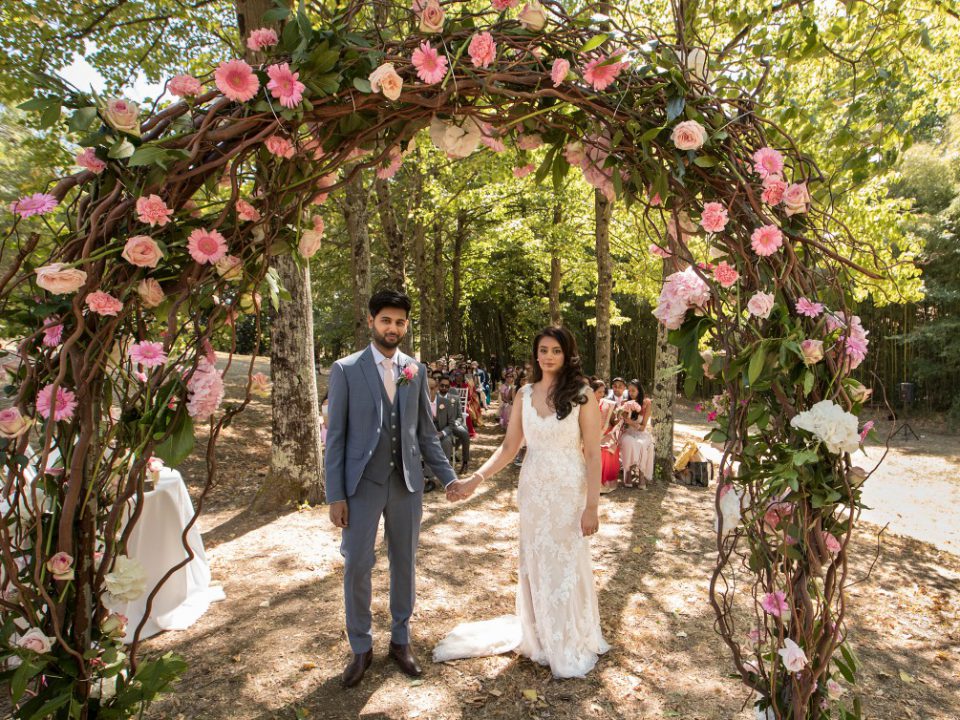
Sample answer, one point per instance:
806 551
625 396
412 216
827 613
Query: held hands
463 488
589 521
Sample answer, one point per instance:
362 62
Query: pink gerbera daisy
206 246
767 162
147 353
431 65
235 79
808 308
725 274
36 204
65 405
603 71
285 85
766 240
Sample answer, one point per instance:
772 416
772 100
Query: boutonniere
442 406
407 374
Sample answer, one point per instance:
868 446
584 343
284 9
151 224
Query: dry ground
275 647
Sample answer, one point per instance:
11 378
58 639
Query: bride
558 495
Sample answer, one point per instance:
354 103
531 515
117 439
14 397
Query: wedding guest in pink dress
609 430
636 442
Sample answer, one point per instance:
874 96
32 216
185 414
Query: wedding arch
121 273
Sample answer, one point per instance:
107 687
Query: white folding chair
464 395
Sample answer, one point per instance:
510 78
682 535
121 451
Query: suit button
393 427
391 464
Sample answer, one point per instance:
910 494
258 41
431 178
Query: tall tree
603 213
664 395
556 267
355 204
456 301
296 455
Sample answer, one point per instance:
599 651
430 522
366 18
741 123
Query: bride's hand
589 522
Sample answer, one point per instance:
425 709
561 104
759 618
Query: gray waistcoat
389 446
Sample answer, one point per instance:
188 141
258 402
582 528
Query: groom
380 423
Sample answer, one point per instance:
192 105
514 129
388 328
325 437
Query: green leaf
594 42
81 119
756 364
276 14
50 116
705 161
179 444
808 379
650 134
38 104
148 155
121 149
21 678
363 85
674 108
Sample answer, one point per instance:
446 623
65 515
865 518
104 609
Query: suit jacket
356 408
449 413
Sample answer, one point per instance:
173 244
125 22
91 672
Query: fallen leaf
638 550
906 677
309 666
530 695
681 634
496 693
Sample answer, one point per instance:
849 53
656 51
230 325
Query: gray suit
373 462
448 416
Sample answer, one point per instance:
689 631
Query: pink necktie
389 384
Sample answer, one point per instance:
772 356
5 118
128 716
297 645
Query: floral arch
121 272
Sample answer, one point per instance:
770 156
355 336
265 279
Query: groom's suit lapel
405 392
369 368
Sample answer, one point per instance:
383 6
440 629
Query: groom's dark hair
389 299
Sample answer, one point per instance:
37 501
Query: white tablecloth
156 543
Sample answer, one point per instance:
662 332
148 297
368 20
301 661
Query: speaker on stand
908 396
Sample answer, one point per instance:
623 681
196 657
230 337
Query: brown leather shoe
353 673
403 656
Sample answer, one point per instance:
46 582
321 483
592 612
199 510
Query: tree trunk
396 252
604 210
424 291
296 458
664 394
456 310
556 270
355 215
439 289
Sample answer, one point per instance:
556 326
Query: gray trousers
401 511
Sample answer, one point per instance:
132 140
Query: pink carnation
235 79
66 403
522 172
285 85
36 204
559 71
391 165
205 388
867 427
152 210
501 5
103 303
89 161
246 211
149 354
431 65
766 240
831 542
185 86
52 333
773 189
725 274
776 512
206 246
529 142
482 49
659 251
714 218
808 308
681 292
603 71
767 162
279 146
262 38
775 603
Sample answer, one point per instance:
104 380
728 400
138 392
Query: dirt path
275 647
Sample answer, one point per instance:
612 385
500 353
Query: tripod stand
906 399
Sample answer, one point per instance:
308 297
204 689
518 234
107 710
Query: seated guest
618 391
609 436
446 414
636 442
460 432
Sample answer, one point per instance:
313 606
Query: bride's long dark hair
568 390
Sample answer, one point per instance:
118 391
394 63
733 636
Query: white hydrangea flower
832 424
127 580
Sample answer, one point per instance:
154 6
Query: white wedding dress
558 618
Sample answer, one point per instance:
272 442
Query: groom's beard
390 341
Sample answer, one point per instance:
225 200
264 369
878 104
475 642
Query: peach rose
796 199
432 17
13 424
122 115
114 625
385 79
689 135
61 566
59 279
310 240
150 292
142 251
761 304
230 267
812 351
533 17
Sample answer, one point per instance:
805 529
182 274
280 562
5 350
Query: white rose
34 639
127 580
696 62
533 17
458 137
760 304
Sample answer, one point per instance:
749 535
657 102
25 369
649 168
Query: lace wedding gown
558 619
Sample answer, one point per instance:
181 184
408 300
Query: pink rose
13 424
88 160
432 17
61 566
689 135
832 544
559 71
142 251
311 239
482 49
812 351
386 80
59 279
409 371
773 189
103 303
796 199
122 115
151 295
714 217
229 267
761 304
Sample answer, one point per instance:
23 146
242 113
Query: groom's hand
339 513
